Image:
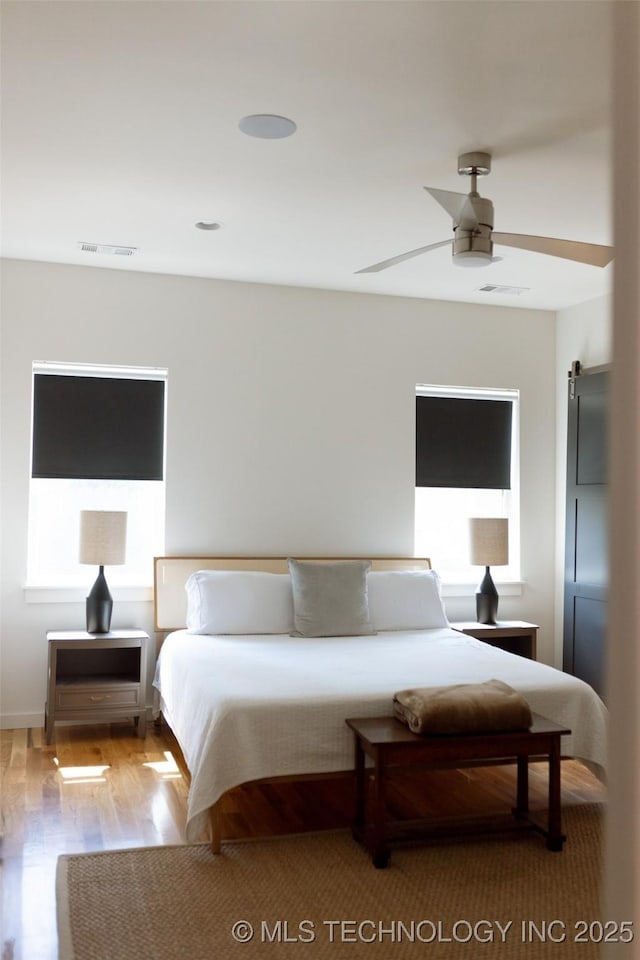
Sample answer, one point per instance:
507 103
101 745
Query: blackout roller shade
98 428
463 442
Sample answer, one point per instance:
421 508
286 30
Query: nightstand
96 678
514 636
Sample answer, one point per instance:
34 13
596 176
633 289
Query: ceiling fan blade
457 205
594 254
403 256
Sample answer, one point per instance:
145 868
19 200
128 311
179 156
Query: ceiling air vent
111 249
497 288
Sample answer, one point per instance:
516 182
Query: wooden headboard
171 573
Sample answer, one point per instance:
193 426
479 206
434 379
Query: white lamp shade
103 536
489 541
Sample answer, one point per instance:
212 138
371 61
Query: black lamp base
487 600
99 606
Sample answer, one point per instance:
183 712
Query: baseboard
18 721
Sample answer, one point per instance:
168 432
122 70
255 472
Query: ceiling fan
473 234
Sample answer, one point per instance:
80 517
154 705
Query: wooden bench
389 743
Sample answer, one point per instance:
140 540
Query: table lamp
489 548
103 536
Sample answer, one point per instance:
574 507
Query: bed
247 700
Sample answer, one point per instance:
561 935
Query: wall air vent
110 249
497 288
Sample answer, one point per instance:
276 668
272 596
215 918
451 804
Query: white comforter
246 707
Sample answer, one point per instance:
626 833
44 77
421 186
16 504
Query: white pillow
405 600
239 601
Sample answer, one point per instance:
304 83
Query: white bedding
247 707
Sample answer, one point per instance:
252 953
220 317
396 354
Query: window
466 466
97 444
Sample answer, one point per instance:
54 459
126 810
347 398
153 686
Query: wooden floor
101 788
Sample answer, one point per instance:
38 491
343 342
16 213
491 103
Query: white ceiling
120 125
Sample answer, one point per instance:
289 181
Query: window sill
138 594
506 588
52 594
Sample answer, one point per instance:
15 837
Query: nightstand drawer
75 697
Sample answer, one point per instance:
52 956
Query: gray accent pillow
330 599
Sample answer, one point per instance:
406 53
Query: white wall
583 332
290 427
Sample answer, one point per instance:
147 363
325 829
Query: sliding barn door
586 566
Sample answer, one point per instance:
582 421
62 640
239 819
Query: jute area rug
318 896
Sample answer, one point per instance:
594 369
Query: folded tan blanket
463 708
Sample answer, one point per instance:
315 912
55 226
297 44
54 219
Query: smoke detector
267 126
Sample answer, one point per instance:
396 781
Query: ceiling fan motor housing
472 243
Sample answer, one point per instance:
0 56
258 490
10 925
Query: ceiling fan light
472 258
